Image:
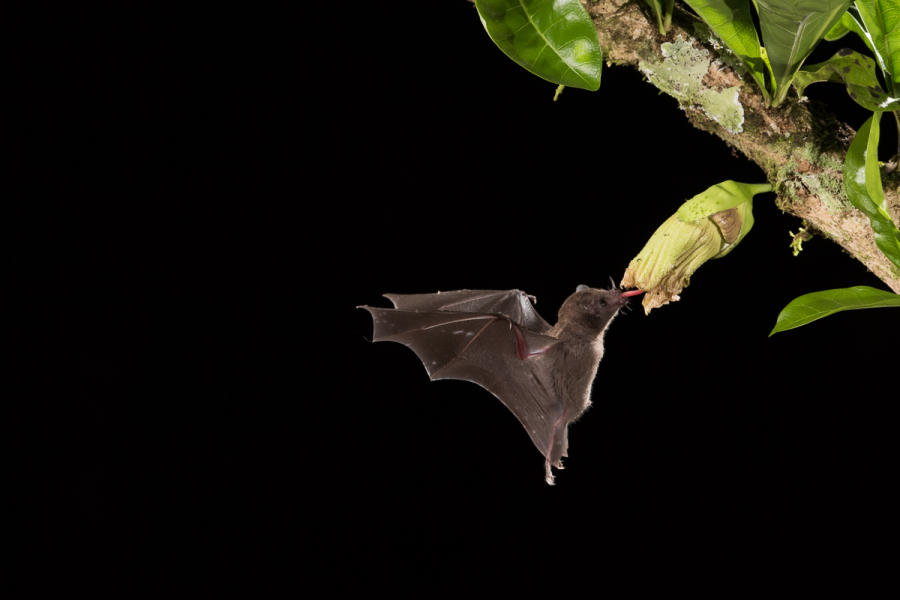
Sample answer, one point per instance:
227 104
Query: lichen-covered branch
799 145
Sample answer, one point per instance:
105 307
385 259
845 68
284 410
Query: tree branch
799 145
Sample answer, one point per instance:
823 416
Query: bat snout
616 298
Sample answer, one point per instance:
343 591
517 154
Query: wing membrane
515 305
481 348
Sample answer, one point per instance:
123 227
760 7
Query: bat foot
548 474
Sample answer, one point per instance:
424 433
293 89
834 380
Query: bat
495 338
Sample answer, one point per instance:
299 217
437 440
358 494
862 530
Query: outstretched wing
487 349
515 305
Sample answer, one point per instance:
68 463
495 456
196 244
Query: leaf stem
759 188
559 90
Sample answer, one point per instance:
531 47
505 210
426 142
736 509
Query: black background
238 183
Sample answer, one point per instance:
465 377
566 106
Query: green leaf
881 19
851 23
810 307
839 29
732 22
554 40
862 183
663 11
857 71
791 29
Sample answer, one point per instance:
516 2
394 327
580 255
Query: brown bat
496 339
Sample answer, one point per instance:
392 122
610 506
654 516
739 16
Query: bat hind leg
548 471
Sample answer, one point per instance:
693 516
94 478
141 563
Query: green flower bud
709 225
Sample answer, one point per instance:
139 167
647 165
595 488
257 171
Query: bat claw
548 474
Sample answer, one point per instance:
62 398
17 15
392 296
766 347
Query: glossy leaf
791 29
732 22
554 40
849 22
663 11
839 29
811 307
862 183
881 19
857 72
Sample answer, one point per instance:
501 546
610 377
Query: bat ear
581 288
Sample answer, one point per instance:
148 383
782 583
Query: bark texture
799 145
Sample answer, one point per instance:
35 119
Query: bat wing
515 305
486 349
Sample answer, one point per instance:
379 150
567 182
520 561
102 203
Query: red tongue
632 293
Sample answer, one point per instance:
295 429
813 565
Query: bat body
496 339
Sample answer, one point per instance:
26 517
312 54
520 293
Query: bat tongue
632 293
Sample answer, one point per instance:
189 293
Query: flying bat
496 338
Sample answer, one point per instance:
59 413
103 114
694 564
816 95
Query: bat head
592 309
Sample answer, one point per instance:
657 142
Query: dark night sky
241 188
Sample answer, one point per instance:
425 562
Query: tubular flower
709 225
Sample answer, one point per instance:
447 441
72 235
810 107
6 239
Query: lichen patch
681 74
